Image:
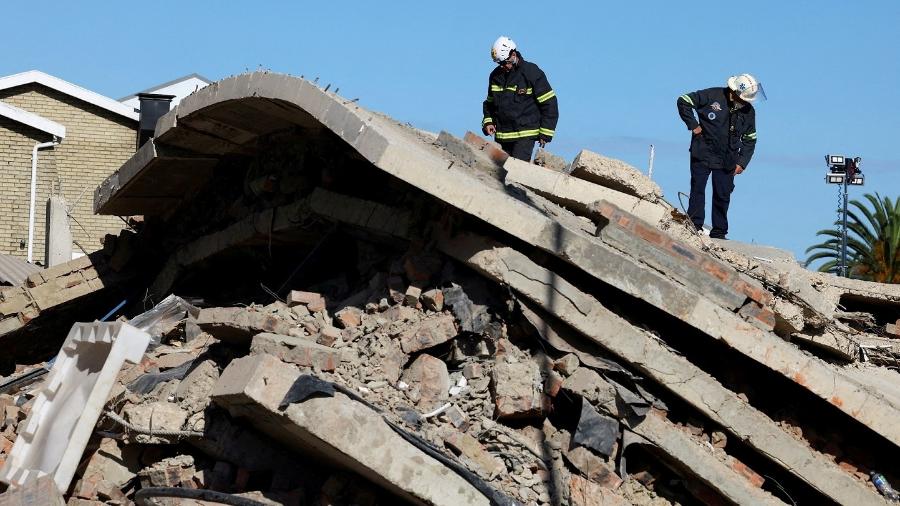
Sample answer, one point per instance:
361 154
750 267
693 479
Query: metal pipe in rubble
34 155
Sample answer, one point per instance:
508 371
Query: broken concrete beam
674 372
690 455
615 174
578 195
184 174
265 222
340 430
67 406
517 392
157 417
237 325
296 350
370 215
427 333
688 263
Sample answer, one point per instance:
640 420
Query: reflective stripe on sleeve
494 87
546 96
487 120
546 131
686 98
750 137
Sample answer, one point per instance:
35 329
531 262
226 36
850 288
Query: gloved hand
543 140
489 129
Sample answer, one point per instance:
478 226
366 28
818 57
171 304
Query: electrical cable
142 497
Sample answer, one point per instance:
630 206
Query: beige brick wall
97 143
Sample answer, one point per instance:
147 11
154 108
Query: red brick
492 150
433 299
757 315
755 479
553 383
348 317
313 301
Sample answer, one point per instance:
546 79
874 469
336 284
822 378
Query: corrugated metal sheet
14 271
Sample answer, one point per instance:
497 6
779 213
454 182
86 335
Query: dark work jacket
729 133
520 103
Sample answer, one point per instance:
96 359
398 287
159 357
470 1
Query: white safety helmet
502 48
747 87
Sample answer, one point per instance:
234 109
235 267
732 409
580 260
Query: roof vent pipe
153 107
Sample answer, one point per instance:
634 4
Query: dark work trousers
520 149
723 185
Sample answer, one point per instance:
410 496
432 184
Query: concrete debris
614 174
429 383
390 316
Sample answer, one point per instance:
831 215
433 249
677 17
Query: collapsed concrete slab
226 117
69 404
340 430
674 372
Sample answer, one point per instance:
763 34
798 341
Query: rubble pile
329 307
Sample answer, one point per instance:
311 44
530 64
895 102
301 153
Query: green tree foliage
873 241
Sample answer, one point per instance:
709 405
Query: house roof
32 120
153 89
36 76
15 271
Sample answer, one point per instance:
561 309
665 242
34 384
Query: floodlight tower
845 171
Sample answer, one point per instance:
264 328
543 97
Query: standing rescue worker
722 144
520 107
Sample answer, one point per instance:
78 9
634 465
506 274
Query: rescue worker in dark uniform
722 144
520 107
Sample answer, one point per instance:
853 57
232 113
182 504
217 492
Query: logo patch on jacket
711 116
716 107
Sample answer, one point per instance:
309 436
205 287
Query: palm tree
873 244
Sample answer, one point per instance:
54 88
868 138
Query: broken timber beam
674 372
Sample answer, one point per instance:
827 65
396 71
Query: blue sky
831 70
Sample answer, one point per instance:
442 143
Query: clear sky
831 70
